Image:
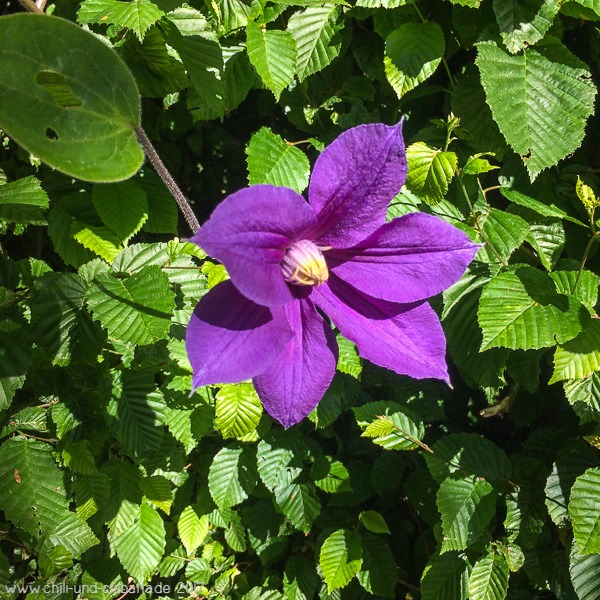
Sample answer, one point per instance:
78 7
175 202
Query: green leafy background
112 474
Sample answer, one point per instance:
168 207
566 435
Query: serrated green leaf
229 477
157 491
82 101
203 60
54 561
32 490
190 425
390 425
23 201
340 558
139 409
430 171
136 309
583 569
579 357
504 232
315 33
348 359
15 349
300 580
63 326
413 52
91 493
584 509
273 55
299 503
476 164
122 206
238 409
73 534
552 96
141 546
446 577
273 161
125 496
470 453
467 506
193 528
378 572
374 521
331 476
546 210
586 289
548 239
522 309
99 240
279 459
522 24
79 458
137 15
489 578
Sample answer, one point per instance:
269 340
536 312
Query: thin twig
503 405
164 174
31 6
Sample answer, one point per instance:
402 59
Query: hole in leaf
58 88
51 134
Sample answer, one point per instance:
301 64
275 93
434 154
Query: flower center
304 264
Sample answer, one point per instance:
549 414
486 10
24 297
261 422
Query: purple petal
406 338
411 258
353 182
249 233
295 383
230 338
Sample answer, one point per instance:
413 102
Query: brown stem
168 180
31 6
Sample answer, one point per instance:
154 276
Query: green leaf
467 506
100 240
137 15
446 577
157 492
141 546
189 426
162 207
229 477
580 357
315 33
583 569
586 289
238 410
552 96
125 497
138 408
547 238
32 490
193 528
331 475
203 60
340 558
73 534
63 326
504 232
279 459
522 24
374 521
430 171
546 210
23 201
273 54
298 503
466 452
390 425
300 578
379 572
584 509
136 309
348 359
489 578
82 101
122 206
522 309
274 161
15 349
413 52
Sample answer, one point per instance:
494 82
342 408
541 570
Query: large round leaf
68 98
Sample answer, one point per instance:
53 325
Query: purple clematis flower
291 261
